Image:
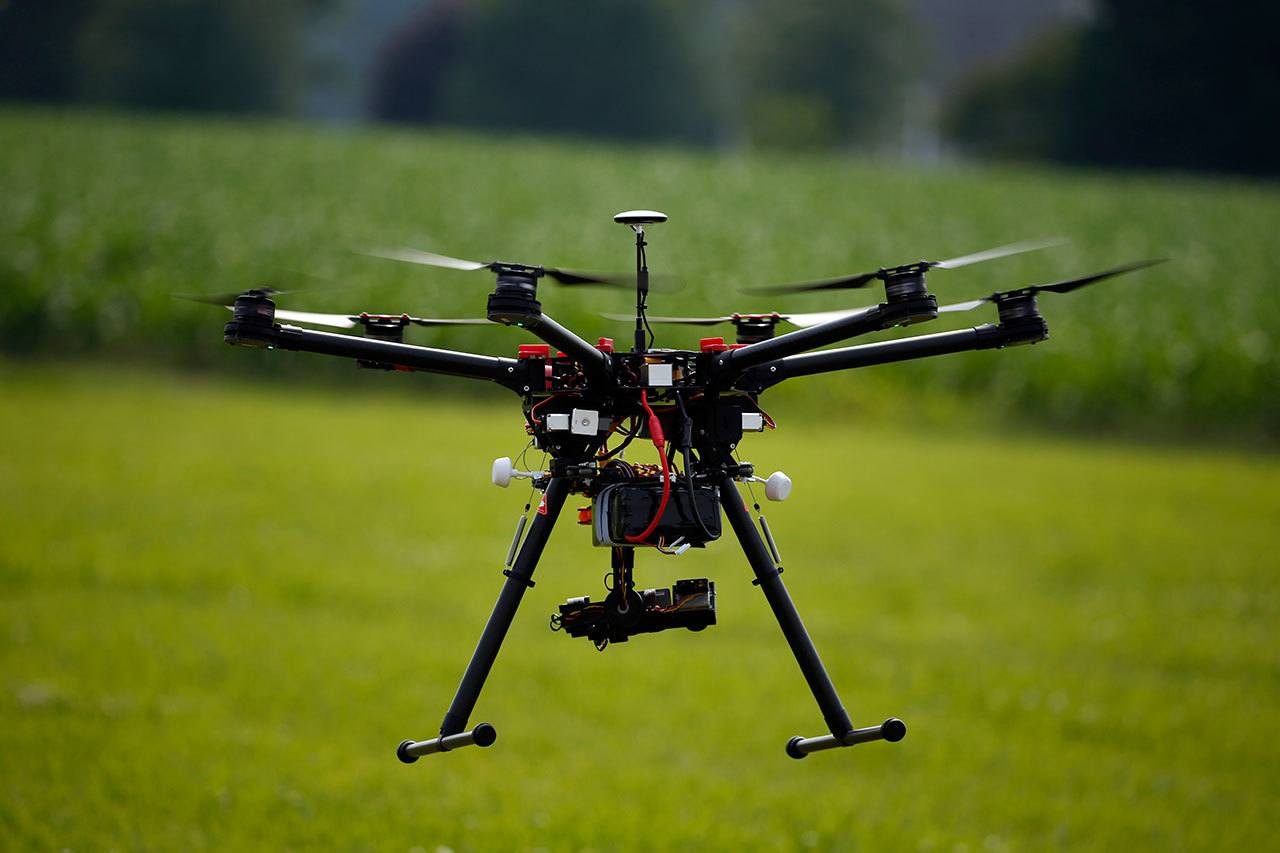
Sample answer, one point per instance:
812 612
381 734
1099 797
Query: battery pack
625 509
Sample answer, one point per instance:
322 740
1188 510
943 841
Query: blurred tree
408 73
222 55
1179 83
607 68
1150 83
1017 110
37 48
818 73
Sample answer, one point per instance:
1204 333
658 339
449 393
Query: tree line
1141 83
1164 84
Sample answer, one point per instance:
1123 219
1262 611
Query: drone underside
592 408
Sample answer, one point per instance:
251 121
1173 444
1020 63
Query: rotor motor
906 287
515 299
253 321
1020 318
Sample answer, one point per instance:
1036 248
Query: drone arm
593 361
504 371
736 361
986 336
904 349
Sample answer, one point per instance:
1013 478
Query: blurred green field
102 217
224 605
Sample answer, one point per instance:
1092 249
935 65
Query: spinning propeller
1066 286
751 328
379 325
557 274
228 299
913 269
801 320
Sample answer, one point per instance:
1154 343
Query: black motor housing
253 321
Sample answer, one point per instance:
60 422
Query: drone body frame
577 397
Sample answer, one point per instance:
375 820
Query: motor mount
515 299
1020 317
253 321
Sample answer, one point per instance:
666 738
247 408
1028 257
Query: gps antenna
637 220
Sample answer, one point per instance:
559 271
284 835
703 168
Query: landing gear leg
768 578
453 732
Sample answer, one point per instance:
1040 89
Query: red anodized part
712 345
534 351
605 345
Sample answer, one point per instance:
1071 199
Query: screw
773 370
511 370
526 387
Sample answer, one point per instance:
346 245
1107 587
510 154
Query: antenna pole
642 288
636 220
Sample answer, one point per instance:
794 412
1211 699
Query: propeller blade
350 321
818 317
338 321
562 276
431 259
570 277
965 306
998 252
1057 287
1074 283
228 299
863 279
841 283
688 321
801 320
457 321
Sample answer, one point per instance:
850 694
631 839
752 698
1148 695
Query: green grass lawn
222 606
103 217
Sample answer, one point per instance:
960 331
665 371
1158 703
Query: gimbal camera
585 404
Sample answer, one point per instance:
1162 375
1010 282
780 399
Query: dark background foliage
1131 83
1181 85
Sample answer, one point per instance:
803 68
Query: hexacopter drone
579 399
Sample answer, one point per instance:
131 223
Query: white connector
584 422
657 375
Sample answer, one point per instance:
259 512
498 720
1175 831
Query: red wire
543 402
655 433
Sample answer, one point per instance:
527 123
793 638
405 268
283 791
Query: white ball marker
777 487
504 472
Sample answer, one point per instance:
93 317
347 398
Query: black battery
626 509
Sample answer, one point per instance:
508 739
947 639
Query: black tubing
891 730
482 735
